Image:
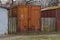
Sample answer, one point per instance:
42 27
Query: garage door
3 21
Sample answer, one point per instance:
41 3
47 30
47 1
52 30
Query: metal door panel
48 24
3 21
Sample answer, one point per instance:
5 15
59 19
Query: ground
32 37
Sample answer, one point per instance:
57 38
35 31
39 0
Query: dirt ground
32 37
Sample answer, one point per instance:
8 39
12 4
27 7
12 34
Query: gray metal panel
48 24
3 21
12 24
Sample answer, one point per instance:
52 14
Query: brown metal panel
49 13
29 18
58 19
35 15
22 18
14 11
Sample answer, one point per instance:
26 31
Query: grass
33 36
36 38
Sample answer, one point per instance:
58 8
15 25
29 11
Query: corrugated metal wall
49 13
48 24
58 19
29 18
49 20
12 25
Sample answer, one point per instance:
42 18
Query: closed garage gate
3 21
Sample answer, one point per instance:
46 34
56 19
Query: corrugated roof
50 8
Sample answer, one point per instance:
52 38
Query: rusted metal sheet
22 18
35 15
12 25
29 18
48 24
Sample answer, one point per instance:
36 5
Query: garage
3 21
